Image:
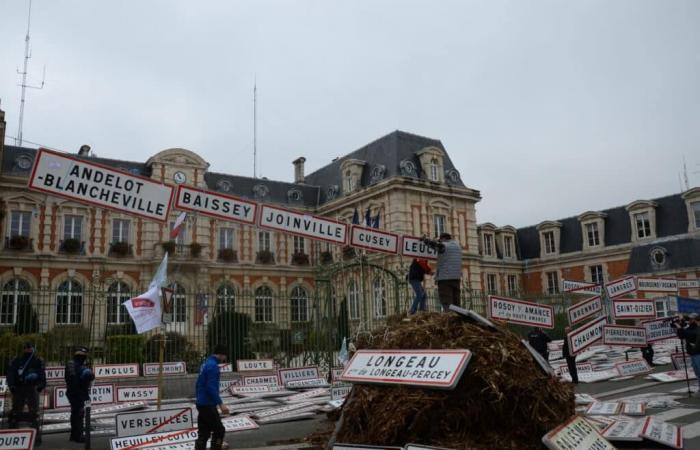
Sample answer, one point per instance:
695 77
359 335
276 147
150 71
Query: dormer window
432 162
695 207
488 244
550 234
643 225
692 203
592 229
643 219
349 182
351 170
434 170
549 246
508 246
592 234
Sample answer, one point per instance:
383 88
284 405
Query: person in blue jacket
78 377
208 399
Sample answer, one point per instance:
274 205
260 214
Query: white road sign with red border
301 224
662 285
586 335
634 308
624 335
18 439
215 204
255 365
137 393
586 309
107 371
155 421
621 287
521 312
414 247
374 239
659 329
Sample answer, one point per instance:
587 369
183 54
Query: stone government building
56 248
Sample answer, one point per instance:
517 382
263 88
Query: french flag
177 226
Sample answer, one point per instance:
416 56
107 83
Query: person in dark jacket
648 354
78 377
416 274
26 378
208 399
448 273
570 359
688 330
538 339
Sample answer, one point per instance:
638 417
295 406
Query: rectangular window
696 213
596 274
299 245
643 225
491 283
549 246
72 226
512 284
662 309
225 238
592 233
438 224
120 231
488 244
264 241
508 246
19 223
552 283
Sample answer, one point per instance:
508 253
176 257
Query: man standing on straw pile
449 269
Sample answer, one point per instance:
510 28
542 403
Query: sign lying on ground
634 309
19 439
621 287
603 408
665 285
147 422
56 374
301 224
414 247
473 316
663 433
627 429
576 434
340 390
634 408
247 390
633 367
586 309
672 376
586 336
308 394
106 371
100 394
134 393
215 204
374 239
152 440
261 380
521 312
439 369
624 335
659 329
302 373
681 361
89 182
255 365
169 368
282 410
311 382
580 287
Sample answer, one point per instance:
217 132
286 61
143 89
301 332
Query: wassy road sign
634 309
624 335
581 311
587 335
88 182
19 439
215 204
147 422
373 239
440 369
521 312
415 248
303 224
131 393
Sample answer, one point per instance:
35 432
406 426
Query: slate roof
680 254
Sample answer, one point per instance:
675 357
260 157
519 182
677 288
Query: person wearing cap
448 273
538 339
417 271
78 377
26 378
689 331
208 399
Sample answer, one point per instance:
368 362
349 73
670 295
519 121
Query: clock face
179 177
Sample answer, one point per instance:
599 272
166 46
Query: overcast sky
549 108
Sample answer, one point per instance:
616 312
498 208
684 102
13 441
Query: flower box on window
195 249
18 243
71 246
326 258
265 257
300 259
120 249
228 255
169 247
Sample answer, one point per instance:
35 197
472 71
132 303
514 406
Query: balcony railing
121 250
72 247
19 243
265 257
228 255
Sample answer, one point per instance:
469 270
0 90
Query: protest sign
521 312
302 373
580 287
634 308
18 439
302 224
88 182
131 393
586 335
100 394
659 329
591 307
155 421
414 247
576 434
621 287
215 204
255 365
624 335
440 369
663 285
374 239
663 433
633 367
107 371
169 368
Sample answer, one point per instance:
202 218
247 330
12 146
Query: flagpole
161 355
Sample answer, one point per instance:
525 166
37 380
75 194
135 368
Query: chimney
299 169
84 150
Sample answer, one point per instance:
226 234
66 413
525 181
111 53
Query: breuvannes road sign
581 311
521 312
439 369
586 335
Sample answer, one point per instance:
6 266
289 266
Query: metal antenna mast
24 85
255 129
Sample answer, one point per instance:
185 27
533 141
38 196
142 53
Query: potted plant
228 255
265 257
120 249
169 247
326 258
18 242
300 259
71 246
195 249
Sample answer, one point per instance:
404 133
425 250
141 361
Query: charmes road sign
587 335
414 247
89 182
214 204
375 240
634 309
439 369
521 312
583 310
301 224
624 335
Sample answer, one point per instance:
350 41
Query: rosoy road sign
521 312
147 422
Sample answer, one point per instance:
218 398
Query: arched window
353 300
69 303
117 293
14 293
299 305
379 297
179 305
434 170
225 298
263 304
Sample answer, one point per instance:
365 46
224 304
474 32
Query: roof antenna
255 128
24 85
686 184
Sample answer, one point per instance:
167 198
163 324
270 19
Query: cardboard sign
634 309
261 380
665 285
521 312
439 369
621 287
169 368
151 440
18 439
659 329
414 247
624 335
576 434
580 287
340 390
663 433
374 239
311 382
107 371
255 365
633 367
624 430
132 393
96 184
302 373
681 362
587 335
100 394
147 422
591 307
603 408
56 373
302 224
215 204
688 284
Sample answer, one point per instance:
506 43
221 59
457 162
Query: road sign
169 368
591 307
539 359
132 393
215 204
156 421
261 380
302 373
19 439
587 335
521 312
681 361
576 434
311 382
340 390
56 373
100 394
302 224
152 440
414 247
663 285
255 365
659 329
281 410
663 433
624 335
638 308
374 239
580 287
633 367
626 429
621 287
107 371
603 408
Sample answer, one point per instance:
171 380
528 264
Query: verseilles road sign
659 329
586 309
147 422
255 365
665 285
106 371
634 309
89 182
580 287
132 393
576 434
375 240
521 312
624 335
302 224
440 369
414 247
100 394
169 368
19 439
586 336
216 205
302 373
620 287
